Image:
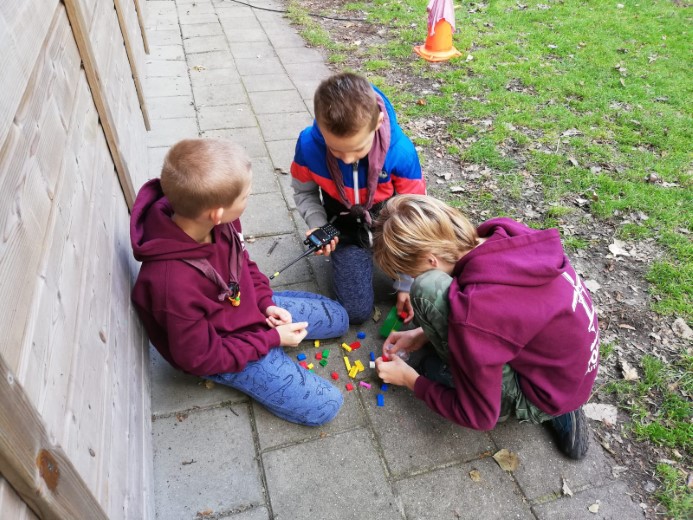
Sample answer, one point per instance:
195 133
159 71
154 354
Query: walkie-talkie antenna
311 250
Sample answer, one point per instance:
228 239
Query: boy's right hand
406 341
327 248
291 334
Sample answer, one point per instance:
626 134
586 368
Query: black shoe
506 409
437 370
572 432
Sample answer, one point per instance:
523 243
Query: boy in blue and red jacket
347 164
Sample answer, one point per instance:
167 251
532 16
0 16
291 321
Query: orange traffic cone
438 45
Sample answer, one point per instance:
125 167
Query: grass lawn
590 98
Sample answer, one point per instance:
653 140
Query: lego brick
372 356
304 364
316 343
323 363
318 356
365 385
310 366
361 335
334 375
371 364
346 347
359 365
353 372
383 387
326 353
349 387
381 400
355 345
347 364
301 356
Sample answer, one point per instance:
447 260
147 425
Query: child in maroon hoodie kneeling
205 305
511 322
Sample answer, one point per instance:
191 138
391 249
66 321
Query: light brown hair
202 174
344 104
411 226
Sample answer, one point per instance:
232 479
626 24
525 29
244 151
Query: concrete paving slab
451 493
306 88
281 102
202 77
228 11
254 50
195 8
282 153
280 37
164 37
202 29
165 52
205 44
286 249
284 179
614 503
257 513
167 132
291 55
542 467
285 126
264 176
225 116
302 71
205 462
303 484
172 107
167 69
253 66
189 17
244 34
249 138
156 160
174 391
407 425
214 95
171 86
210 60
267 82
267 214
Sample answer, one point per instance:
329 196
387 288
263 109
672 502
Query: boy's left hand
404 304
396 372
277 316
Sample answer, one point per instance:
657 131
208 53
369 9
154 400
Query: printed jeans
277 381
429 298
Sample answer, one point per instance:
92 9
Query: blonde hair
202 174
411 226
346 103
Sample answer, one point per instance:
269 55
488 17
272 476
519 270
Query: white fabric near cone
439 10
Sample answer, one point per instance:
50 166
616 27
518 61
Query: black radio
316 240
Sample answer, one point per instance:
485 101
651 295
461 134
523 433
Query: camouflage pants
429 298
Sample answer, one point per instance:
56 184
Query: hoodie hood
154 236
521 256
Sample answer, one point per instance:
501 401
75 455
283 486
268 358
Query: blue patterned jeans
281 385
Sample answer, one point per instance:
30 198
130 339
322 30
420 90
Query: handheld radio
316 240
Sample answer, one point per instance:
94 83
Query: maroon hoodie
179 307
516 299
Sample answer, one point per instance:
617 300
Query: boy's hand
291 334
327 248
404 305
407 341
396 372
277 316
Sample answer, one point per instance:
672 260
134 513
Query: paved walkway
223 69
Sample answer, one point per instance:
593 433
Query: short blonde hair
345 104
202 174
411 226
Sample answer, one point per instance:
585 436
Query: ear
381 118
432 260
216 215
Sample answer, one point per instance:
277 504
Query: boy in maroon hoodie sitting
206 307
511 323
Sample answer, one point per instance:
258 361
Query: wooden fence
74 389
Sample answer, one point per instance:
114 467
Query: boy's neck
200 232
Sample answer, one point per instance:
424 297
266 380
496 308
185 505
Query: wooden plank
129 49
79 28
11 504
140 19
23 28
37 469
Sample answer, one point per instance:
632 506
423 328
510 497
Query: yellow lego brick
316 343
310 366
359 365
347 364
346 347
354 370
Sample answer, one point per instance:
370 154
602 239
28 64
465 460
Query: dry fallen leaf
606 413
618 248
421 102
475 475
566 490
376 314
594 508
206 512
209 384
629 373
507 460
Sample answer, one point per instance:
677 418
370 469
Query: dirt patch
614 271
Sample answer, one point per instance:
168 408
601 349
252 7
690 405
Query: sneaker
572 432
